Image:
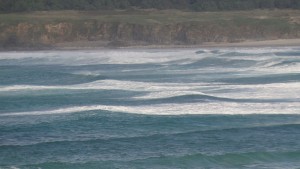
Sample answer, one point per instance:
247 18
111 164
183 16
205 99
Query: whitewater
150 108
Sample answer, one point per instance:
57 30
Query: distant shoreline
263 43
245 44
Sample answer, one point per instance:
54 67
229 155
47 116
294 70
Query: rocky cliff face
123 34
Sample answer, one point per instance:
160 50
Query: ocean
212 108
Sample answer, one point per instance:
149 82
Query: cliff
173 28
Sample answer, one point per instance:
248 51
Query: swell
113 98
37 141
230 160
265 79
288 53
40 101
190 98
241 54
286 63
278 128
221 62
43 75
196 108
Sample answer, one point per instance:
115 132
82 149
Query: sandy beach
102 45
94 45
265 43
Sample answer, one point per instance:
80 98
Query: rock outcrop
30 35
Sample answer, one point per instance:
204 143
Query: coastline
92 30
243 44
263 43
94 45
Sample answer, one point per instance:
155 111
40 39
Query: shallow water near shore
151 108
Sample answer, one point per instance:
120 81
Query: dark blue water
189 108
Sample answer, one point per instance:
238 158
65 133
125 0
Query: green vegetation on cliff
195 5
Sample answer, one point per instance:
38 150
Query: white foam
130 56
167 94
260 50
293 68
13 167
109 85
178 109
164 90
261 91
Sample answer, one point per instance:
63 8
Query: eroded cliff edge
109 30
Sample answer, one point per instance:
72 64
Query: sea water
150 108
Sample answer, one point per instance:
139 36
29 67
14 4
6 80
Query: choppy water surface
150 108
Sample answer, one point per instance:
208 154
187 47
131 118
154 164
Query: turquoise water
182 108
